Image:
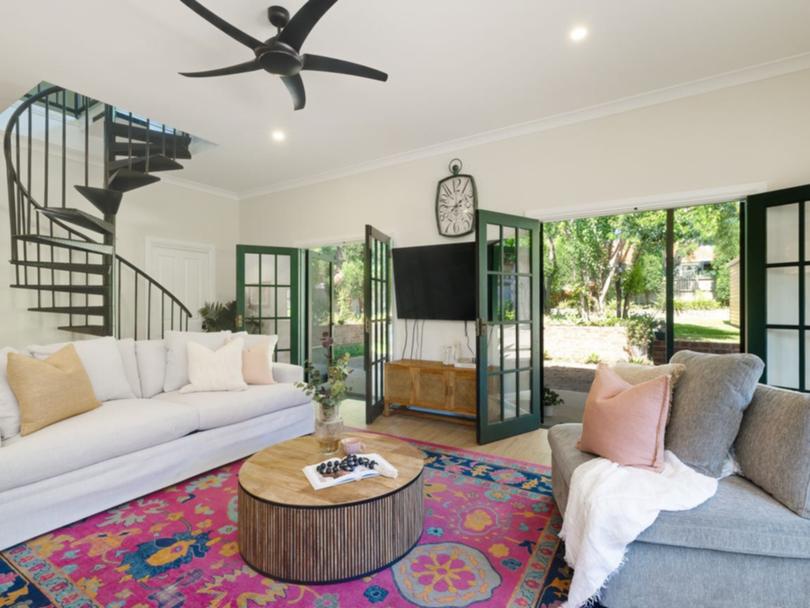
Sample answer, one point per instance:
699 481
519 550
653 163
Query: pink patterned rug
490 539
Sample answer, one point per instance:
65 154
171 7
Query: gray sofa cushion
708 406
773 446
655 576
740 518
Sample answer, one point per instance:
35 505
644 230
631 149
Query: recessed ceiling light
278 136
579 33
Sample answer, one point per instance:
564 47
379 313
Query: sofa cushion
740 518
221 409
114 429
127 349
102 361
9 408
177 354
151 356
708 406
773 446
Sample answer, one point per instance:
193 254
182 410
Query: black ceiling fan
281 54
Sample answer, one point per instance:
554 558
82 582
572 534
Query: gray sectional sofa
747 546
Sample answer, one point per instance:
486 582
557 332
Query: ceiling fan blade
338 66
295 85
303 21
219 23
239 68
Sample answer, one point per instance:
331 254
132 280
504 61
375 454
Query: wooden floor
532 447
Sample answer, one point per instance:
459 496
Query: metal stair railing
72 273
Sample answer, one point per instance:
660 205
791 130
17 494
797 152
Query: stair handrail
155 283
13 176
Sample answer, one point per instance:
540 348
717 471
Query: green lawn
707 333
354 350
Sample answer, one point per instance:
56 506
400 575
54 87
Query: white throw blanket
609 505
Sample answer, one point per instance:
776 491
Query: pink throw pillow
256 366
625 423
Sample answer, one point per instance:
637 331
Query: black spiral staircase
63 249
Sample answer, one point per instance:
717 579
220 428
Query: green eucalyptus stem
330 390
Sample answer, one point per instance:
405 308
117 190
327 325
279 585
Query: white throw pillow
102 361
219 370
130 360
177 354
151 355
9 409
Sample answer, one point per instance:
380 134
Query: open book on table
319 481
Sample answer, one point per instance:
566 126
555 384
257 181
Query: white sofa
130 447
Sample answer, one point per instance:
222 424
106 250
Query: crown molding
762 71
655 202
200 187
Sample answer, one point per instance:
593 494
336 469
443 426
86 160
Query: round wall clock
456 203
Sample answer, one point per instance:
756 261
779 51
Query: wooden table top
275 474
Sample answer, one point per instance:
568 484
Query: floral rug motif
490 539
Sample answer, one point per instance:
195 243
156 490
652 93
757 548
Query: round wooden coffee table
293 533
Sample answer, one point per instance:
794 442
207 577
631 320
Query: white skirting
31 510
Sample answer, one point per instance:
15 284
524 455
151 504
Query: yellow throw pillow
51 390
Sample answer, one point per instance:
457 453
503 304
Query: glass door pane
707 279
267 296
320 304
777 268
377 322
509 333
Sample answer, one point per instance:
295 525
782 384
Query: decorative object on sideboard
456 202
328 392
281 54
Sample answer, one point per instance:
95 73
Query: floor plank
532 447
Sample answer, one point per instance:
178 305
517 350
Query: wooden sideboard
430 385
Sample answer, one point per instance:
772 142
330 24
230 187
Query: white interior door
185 269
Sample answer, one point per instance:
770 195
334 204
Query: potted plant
328 391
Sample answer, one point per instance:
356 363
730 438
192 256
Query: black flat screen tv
436 282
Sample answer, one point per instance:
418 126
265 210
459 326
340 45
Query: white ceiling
457 68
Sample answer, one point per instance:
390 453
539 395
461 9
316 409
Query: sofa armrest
284 373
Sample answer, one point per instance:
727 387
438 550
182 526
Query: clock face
455 205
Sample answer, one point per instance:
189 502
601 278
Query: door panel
320 308
185 269
509 328
377 307
777 260
267 296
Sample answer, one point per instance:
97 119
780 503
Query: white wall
167 210
757 132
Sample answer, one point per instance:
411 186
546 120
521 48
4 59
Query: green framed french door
320 308
377 318
509 325
777 285
268 297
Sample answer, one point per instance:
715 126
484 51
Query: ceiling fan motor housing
279 58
